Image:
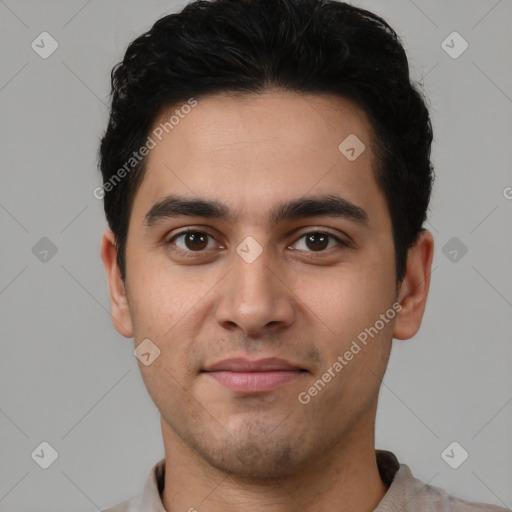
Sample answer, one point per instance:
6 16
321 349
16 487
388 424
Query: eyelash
193 254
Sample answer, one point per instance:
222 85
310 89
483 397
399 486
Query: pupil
321 243
195 238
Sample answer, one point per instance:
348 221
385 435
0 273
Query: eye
319 241
191 241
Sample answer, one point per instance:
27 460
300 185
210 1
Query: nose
254 297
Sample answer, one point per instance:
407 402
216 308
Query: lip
245 376
239 364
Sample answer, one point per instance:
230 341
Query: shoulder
409 494
430 498
443 501
150 498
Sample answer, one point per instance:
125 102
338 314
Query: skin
225 451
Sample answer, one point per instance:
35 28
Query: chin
256 462
258 450
255 447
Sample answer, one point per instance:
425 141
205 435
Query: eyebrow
329 205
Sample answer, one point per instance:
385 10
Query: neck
348 476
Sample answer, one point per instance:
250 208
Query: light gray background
68 378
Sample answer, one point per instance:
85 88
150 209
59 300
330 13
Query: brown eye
317 241
194 241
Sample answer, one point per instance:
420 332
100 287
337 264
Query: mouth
245 376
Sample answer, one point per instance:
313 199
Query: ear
118 302
414 288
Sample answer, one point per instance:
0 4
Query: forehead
249 151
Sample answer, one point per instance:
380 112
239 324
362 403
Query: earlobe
414 288
121 317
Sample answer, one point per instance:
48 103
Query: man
266 175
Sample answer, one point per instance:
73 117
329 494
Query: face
287 263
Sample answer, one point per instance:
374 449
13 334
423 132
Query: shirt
405 492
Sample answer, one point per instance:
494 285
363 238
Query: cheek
345 300
347 306
162 295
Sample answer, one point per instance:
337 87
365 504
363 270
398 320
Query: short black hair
251 46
